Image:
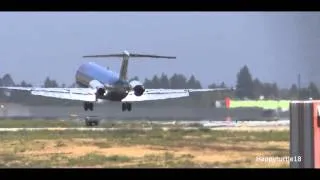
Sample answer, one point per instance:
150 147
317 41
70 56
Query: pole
299 83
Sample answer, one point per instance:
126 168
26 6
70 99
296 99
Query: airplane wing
160 94
88 94
79 94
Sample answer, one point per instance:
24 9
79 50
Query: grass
94 159
265 104
8 123
137 148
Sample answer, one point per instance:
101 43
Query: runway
187 125
69 129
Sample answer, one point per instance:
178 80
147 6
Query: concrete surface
155 112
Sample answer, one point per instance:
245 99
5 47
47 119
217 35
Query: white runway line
213 125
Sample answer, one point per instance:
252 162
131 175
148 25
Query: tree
136 78
293 92
223 85
275 90
7 80
284 93
212 86
267 90
178 81
257 88
164 81
244 87
147 83
48 83
304 93
24 84
156 82
193 83
313 91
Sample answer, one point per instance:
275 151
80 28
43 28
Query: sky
276 46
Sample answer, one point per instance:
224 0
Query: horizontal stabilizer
131 55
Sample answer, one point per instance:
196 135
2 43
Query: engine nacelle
137 87
99 86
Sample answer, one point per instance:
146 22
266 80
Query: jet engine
97 85
137 87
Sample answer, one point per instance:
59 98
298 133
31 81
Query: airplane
97 83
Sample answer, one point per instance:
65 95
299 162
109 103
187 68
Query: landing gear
126 106
88 106
96 123
92 121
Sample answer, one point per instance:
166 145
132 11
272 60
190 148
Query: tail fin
125 60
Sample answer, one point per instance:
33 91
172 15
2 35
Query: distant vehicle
97 83
92 120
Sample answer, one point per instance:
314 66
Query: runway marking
212 125
234 128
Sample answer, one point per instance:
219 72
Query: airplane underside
90 106
116 96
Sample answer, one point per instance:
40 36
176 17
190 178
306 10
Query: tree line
247 87
253 88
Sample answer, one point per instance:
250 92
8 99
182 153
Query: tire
85 106
91 106
129 106
124 107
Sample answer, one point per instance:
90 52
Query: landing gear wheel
88 106
129 106
126 106
94 123
91 106
85 106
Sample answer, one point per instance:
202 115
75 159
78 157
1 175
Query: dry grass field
136 148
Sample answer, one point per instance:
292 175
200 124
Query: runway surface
214 125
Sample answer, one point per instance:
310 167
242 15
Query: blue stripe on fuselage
99 73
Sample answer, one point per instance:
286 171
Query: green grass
93 159
265 104
8 123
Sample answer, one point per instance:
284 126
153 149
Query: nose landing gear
92 121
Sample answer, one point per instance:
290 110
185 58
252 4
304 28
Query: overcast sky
212 46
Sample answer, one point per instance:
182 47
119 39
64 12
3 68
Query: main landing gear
88 106
126 106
